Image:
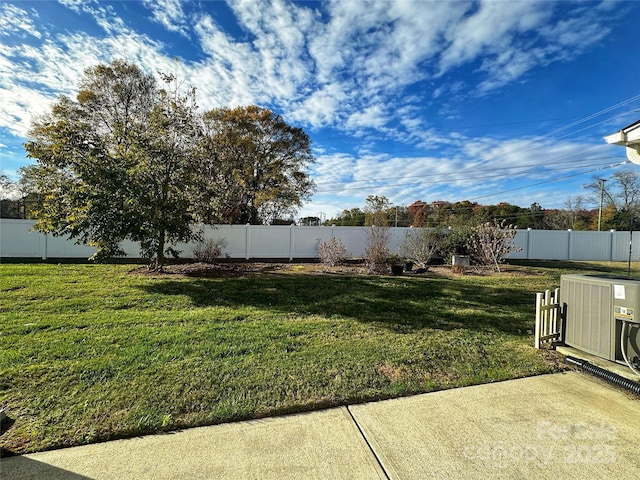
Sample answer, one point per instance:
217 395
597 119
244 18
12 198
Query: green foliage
620 200
260 160
116 163
376 211
348 218
129 159
456 241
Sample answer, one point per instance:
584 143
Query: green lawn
95 352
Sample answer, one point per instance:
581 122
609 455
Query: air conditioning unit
602 316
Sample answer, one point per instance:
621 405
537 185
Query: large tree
262 161
376 209
117 163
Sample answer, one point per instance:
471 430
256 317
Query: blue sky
490 101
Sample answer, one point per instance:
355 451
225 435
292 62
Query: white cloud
320 107
280 31
490 29
329 68
509 39
229 75
374 116
52 68
103 14
334 169
168 13
73 5
16 21
578 32
383 45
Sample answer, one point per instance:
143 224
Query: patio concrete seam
369 446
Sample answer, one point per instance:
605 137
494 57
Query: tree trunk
160 252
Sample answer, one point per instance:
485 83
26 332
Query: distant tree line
620 210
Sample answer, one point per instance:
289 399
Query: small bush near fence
377 255
420 245
209 251
491 242
333 252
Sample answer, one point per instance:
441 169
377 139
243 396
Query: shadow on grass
585 267
402 304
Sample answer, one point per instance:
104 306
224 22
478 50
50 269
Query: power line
460 178
548 181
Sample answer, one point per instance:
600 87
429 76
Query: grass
95 352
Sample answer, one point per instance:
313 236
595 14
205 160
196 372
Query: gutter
628 137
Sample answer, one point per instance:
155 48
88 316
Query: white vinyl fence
18 240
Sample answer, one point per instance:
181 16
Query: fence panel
18 241
548 245
269 241
307 239
590 245
235 237
620 246
397 235
61 247
521 242
354 239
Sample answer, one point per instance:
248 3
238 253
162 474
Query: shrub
491 241
333 252
455 242
209 251
419 245
378 256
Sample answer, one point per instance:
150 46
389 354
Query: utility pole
601 180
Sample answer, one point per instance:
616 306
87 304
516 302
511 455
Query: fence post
45 241
538 318
611 238
291 241
555 313
247 242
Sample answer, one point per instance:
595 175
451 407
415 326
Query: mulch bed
230 269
